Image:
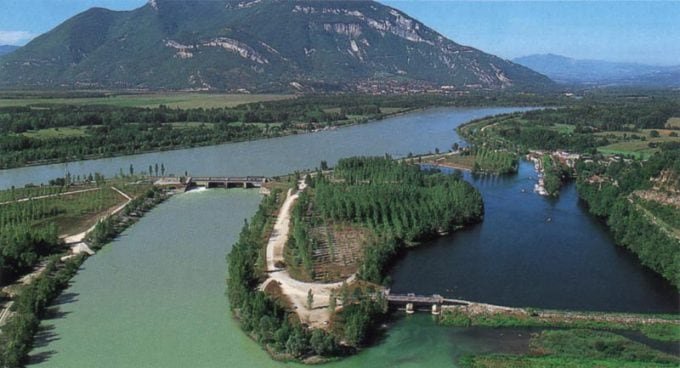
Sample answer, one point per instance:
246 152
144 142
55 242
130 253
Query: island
307 283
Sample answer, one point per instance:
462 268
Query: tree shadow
41 357
54 312
66 298
45 336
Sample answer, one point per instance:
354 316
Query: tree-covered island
345 227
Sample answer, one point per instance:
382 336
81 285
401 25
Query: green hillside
264 46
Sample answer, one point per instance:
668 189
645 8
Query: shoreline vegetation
581 339
380 196
566 144
41 133
572 143
306 241
662 327
577 348
27 301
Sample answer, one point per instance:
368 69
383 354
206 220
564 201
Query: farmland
173 100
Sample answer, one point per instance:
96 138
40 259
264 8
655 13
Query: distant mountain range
596 72
256 45
6 49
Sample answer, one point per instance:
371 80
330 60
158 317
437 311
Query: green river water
129 307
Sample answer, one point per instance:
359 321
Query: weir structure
224 182
412 302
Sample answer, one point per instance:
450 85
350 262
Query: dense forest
555 174
400 204
494 161
611 197
259 315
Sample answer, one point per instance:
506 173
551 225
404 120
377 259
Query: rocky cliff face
258 45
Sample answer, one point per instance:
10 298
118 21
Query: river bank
295 130
663 327
428 130
47 283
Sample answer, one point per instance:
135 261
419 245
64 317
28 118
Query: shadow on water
66 298
46 334
54 312
44 337
37 358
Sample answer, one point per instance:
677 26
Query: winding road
297 291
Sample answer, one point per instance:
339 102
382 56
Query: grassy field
339 252
578 348
391 110
673 123
564 128
190 124
663 327
456 161
64 132
636 147
621 142
72 213
173 100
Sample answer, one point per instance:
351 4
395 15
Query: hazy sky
646 31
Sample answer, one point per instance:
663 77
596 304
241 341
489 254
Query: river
533 251
419 132
155 296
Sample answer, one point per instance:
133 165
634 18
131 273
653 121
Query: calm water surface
534 251
155 296
416 132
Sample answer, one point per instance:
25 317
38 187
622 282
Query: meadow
181 100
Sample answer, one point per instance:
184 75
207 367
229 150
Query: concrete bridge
225 181
412 302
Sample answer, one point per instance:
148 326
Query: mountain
255 45
6 49
563 69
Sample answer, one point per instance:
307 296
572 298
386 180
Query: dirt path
78 238
75 241
50 196
297 291
5 313
279 236
10 290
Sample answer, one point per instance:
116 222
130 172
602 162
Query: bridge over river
432 303
224 182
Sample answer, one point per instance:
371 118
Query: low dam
225 182
431 303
